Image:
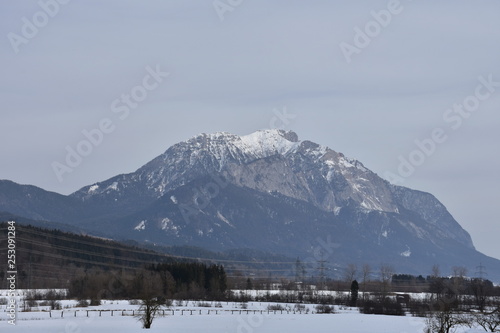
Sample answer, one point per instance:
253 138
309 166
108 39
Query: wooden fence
167 312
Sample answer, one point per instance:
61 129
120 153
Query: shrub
276 307
384 307
325 309
31 303
52 295
204 305
55 305
300 307
419 308
83 303
95 302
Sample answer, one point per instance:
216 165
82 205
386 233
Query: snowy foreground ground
228 319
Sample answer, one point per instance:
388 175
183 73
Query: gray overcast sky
62 73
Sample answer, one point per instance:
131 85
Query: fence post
62 314
50 314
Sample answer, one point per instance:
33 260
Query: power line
151 252
57 256
95 254
118 258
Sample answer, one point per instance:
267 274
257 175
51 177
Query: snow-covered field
225 323
209 317
228 319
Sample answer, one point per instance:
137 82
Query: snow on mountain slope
301 167
272 161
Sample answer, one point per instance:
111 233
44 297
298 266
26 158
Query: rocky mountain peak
302 170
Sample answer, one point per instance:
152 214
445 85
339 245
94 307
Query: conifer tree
354 292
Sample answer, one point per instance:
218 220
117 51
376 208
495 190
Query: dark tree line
172 280
194 279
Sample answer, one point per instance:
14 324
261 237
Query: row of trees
153 285
172 280
459 301
382 280
447 316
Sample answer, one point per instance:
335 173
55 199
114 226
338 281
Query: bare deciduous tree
350 273
435 271
436 286
459 271
152 297
366 271
459 275
489 321
446 321
386 273
480 289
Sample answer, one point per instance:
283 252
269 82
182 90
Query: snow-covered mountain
273 192
273 161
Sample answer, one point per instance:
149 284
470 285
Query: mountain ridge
193 187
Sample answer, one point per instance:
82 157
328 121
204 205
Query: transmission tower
481 271
321 273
